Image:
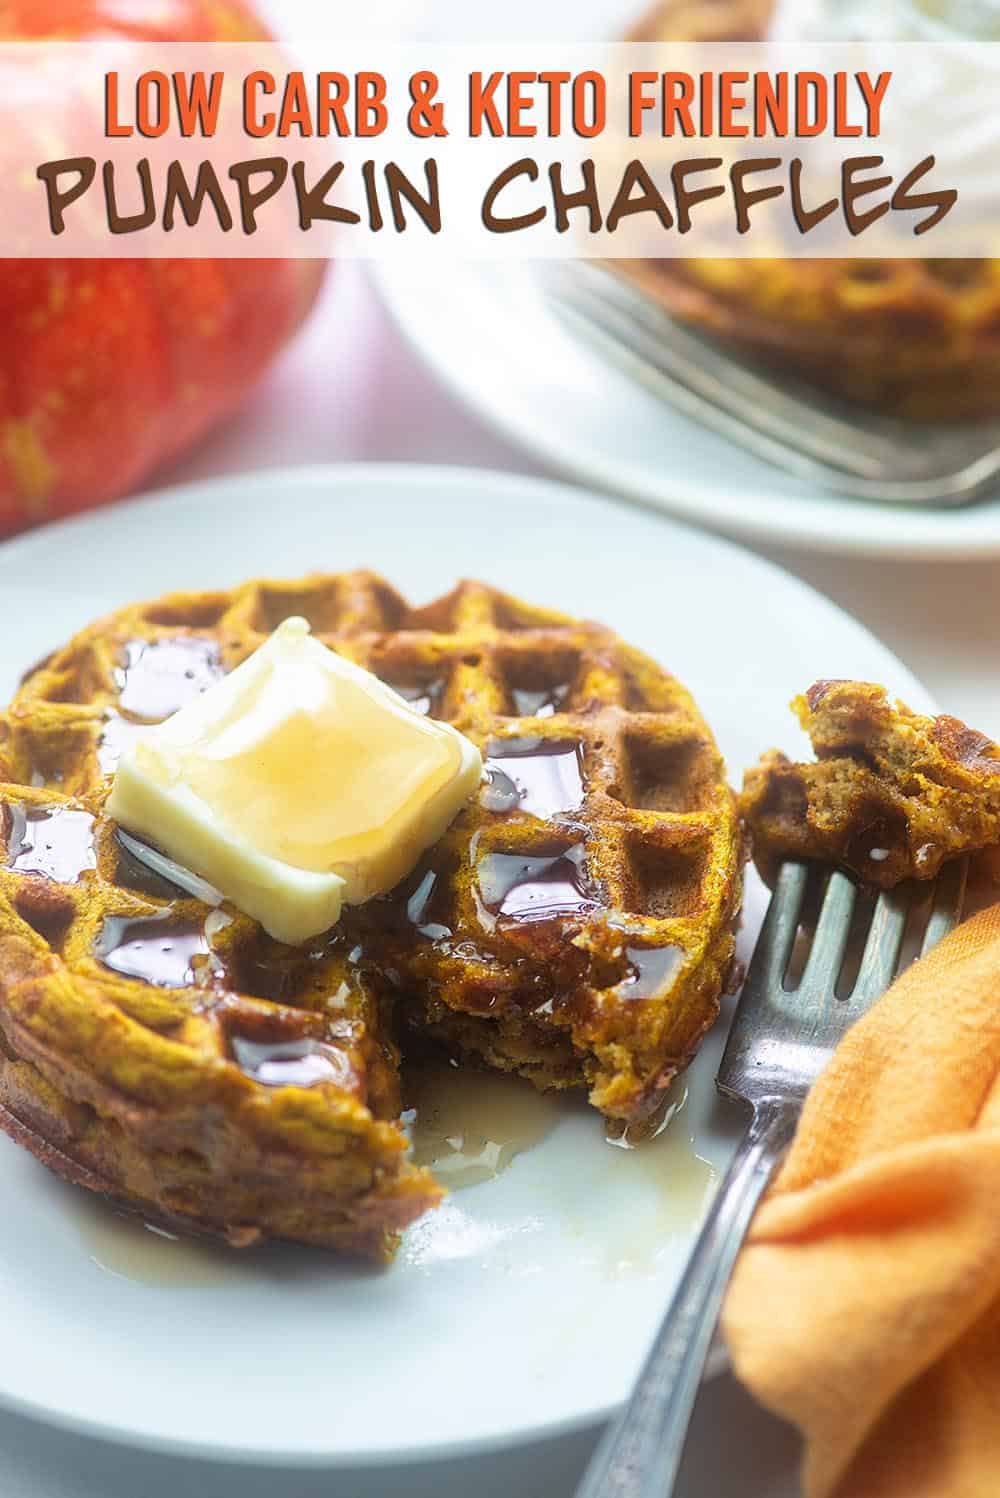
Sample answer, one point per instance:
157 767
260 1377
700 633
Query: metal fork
854 451
780 1040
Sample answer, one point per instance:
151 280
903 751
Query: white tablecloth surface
350 390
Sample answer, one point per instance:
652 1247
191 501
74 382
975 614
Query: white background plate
525 1305
497 344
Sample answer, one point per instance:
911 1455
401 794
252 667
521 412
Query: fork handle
641 1452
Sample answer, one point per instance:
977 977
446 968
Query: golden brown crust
142 1081
153 1109
891 795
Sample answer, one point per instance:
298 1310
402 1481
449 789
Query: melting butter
295 784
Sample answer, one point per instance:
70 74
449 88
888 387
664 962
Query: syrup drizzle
138 876
162 949
652 970
546 774
418 908
423 697
499 794
540 704
877 842
160 676
535 889
291 1063
157 678
117 735
55 842
266 977
169 869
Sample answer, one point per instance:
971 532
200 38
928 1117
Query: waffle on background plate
575 925
919 339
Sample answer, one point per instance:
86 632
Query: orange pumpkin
109 368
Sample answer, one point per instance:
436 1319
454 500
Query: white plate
488 334
524 1306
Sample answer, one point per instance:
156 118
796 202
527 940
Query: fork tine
778 1044
882 948
777 934
832 931
949 898
885 937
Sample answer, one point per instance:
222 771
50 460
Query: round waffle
914 338
574 925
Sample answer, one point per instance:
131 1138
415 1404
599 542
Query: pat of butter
295 784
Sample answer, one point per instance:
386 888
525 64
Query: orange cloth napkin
865 1307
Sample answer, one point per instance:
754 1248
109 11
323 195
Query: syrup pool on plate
655 1185
625 1201
130 1249
469 1126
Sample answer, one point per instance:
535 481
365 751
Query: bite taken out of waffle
574 925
